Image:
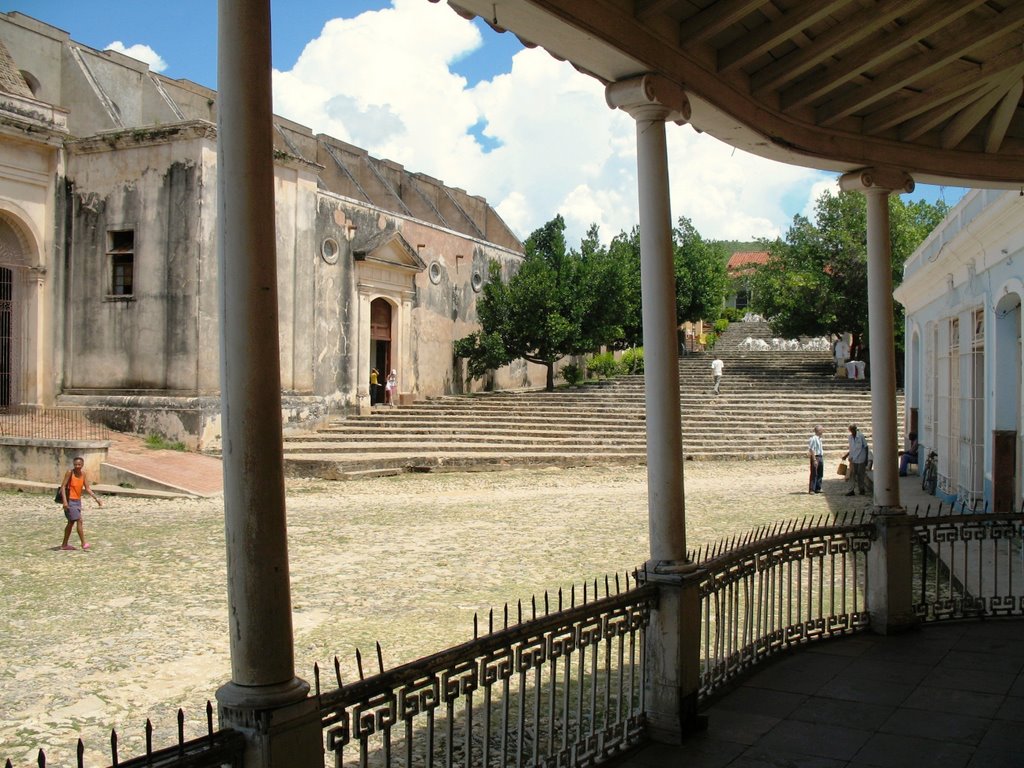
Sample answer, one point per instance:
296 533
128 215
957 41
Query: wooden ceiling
930 87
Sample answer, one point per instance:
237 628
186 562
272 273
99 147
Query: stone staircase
768 404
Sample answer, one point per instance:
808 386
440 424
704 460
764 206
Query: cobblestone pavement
136 627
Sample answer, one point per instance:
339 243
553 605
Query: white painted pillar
264 700
890 567
651 101
672 643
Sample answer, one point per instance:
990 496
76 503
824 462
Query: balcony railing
39 423
561 689
780 586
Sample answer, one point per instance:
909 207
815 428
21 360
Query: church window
121 251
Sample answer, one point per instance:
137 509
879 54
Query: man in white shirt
858 455
815 452
716 373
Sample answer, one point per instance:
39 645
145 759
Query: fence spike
519 610
316 679
476 626
584 593
79 754
490 622
533 606
559 599
181 729
572 596
149 737
337 672
626 575
359 664
113 748
547 609
607 591
380 658
41 759
617 590
8 763
209 719
506 615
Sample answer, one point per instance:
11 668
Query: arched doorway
380 338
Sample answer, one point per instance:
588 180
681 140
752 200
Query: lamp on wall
350 231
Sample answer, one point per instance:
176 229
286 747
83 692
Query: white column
672 642
877 185
890 565
651 101
264 700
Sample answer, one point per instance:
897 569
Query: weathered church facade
108 252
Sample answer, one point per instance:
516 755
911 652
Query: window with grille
121 253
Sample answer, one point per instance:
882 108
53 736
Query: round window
478 281
329 250
434 272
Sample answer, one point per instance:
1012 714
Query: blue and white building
962 292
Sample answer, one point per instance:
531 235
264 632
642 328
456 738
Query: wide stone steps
769 402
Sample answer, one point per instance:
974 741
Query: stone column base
280 731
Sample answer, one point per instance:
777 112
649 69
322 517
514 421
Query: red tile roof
744 261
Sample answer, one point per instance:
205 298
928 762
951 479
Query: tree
701 278
559 302
815 281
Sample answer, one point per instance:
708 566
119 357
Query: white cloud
380 81
819 188
141 52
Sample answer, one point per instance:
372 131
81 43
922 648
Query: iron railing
37 422
778 587
561 689
968 564
215 749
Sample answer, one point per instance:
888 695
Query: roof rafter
921 65
875 50
961 125
970 80
860 25
769 35
1001 118
715 18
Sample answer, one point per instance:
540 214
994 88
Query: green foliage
815 282
559 302
632 360
720 325
732 314
701 278
160 443
709 340
604 364
572 374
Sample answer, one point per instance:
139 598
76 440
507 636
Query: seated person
908 456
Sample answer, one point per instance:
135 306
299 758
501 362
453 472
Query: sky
413 82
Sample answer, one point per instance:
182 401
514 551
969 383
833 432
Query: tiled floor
941 697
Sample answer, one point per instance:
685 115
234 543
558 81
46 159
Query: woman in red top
75 482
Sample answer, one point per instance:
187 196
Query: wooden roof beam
875 50
961 125
970 80
857 27
645 9
715 18
921 65
767 36
1002 116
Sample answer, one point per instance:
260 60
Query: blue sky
411 81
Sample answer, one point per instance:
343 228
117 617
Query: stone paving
135 627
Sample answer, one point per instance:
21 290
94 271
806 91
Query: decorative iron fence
777 587
562 689
968 565
213 750
40 423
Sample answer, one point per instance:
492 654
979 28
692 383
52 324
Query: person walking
815 454
858 455
716 374
75 483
